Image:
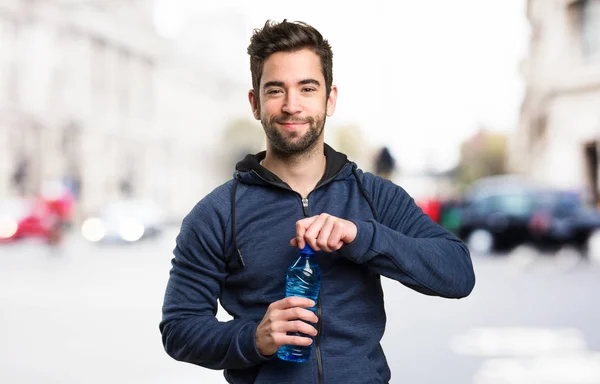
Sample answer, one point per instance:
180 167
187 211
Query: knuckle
306 328
276 339
279 327
272 327
307 315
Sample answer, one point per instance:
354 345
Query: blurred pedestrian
237 242
385 164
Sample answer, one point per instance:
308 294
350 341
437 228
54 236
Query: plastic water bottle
304 280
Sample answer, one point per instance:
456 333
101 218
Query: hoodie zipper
318 337
319 312
305 206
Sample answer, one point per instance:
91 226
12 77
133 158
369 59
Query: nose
292 103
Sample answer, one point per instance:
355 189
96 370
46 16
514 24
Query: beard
286 145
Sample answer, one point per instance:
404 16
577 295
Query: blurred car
125 221
450 215
27 218
431 207
504 211
561 217
496 213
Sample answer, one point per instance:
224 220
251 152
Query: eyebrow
309 81
281 84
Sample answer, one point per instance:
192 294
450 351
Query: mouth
292 124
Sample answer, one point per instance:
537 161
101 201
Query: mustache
288 120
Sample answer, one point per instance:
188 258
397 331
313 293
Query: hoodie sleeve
189 328
404 244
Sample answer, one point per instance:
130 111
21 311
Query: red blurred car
38 218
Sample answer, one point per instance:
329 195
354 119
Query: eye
308 89
274 91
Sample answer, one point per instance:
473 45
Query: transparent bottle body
304 280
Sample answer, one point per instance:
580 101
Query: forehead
292 67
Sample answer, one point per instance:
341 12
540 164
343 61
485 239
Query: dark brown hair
288 37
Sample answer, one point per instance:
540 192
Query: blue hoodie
234 246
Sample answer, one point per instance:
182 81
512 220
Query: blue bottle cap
307 250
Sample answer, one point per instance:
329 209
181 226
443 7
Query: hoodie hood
336 162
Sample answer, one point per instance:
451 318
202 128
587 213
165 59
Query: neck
301 171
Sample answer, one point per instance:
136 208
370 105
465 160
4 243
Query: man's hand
285 316
324 233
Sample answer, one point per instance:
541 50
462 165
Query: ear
254 104
331 100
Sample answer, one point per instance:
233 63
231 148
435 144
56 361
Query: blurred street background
116 117
89 314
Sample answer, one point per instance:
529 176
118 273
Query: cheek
317 107
269 108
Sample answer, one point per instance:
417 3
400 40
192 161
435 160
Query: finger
298 314
325 233
291 302
283 339
294 242
349 231
313 231
301 226
315 227
335 241
295 326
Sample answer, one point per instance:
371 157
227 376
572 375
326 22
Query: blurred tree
348 139
484 154
244 135
241 136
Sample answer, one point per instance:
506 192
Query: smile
293 125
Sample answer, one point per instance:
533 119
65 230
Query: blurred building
90 94
558 137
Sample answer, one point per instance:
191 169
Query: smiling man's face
293 101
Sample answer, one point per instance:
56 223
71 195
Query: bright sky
418 76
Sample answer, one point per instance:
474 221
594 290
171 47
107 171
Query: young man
237 243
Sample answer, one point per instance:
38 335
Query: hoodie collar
335 163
